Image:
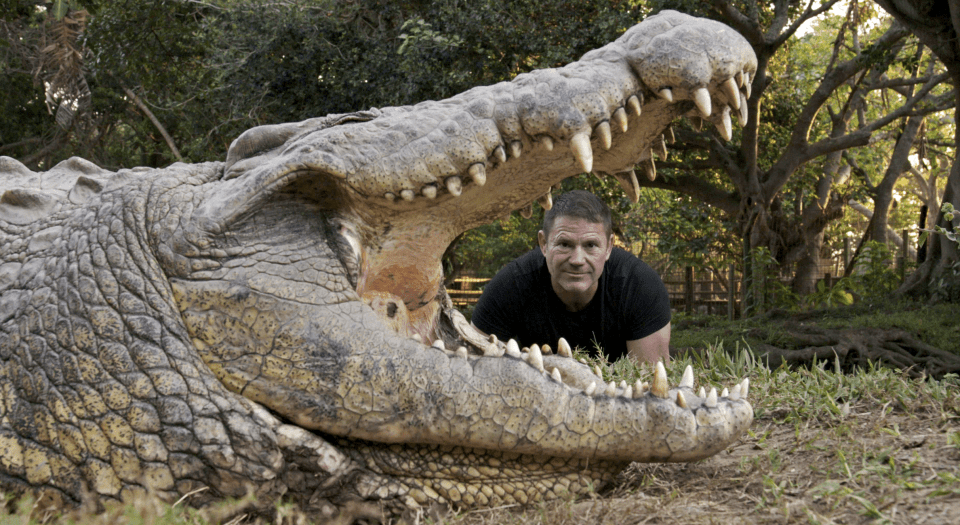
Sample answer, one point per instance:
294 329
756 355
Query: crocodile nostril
391 309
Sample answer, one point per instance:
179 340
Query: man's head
579 204
576 241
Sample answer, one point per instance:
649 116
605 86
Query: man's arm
651 348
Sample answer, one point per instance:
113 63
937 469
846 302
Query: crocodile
275 324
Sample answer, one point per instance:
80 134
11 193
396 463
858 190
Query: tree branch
163 131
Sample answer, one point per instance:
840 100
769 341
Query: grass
872 446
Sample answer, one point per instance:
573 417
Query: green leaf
60 8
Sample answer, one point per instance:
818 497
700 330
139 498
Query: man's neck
575 302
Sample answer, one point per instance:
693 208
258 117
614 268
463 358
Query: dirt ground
872 463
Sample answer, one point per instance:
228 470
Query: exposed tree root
856 347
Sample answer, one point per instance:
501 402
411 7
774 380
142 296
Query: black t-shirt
519 302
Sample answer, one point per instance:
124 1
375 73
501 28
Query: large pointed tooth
649 169
635 105
662 148
546 201
493 338
628 392
555 374
582 152
406 195
500 154
739 78
429 191
620 119
478 174
687 380
611 389
461 352
711 400
747 86
527 211
701 97
516 148
660 386
591 388
724 127
681 401
743 114
745 387
735 392
439 344
547 142
513 348
702 393
668 133
454 185
535 358
623 384
732 93
546 350
606 137
597 371
631 186
666 94
563 348
725 392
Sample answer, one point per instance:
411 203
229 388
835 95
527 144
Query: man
577 285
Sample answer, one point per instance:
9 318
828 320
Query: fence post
731 293
846 254
688 289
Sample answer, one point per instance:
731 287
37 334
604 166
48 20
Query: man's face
576 250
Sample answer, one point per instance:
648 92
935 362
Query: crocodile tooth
555 374
493 338
461 352
666 94
547 142
725 392
701 97
535 358
500 154
735 392
546 350
746 83
739 78
454 185
650 169
687 380
634 104
623 384
745 387
563 348
637 389
629 183
527 211
582 361
493 350
591 388
620 119
611 389
406 195
733 94
580 145
702 393
389 196
628 392
742 115
516 148
418 338
546 200
439 344
606 137
597 371
660 386
662 150
696 123
711 400
478 173
681 401
724 126
668 133
429 191
513 349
